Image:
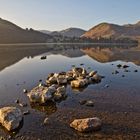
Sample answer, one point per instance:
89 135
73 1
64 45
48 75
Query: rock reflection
49 107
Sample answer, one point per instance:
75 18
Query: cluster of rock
55 86
55 90
42 93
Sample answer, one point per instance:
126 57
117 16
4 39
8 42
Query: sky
61 14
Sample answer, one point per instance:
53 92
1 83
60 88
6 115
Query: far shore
30 44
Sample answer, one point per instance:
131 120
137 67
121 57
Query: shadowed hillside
11 33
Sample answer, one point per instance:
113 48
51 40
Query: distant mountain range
104 33
70 32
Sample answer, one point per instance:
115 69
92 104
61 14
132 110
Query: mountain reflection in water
12 54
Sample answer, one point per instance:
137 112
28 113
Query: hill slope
70 32
107 30
11 33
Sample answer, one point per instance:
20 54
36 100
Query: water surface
118 105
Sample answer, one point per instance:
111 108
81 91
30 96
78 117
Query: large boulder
87 124
10 117
40 94
79 83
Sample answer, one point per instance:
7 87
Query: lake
116 97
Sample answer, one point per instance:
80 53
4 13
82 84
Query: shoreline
30 44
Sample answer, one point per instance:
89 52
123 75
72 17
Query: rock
17 101
87 124
96 78
92 73
26 112
25 91
57 96
10 117
22 104
119 65
69 75
45 120
52 80
126 70
62 80
61 90
135 70
106 86
39 95
115 72
89 103
50 75
82 102
52 89
84 72
41 84
43 57
60 93
79 83
2 138
125 66
77 70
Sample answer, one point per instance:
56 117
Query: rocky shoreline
55 90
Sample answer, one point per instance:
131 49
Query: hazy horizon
56 15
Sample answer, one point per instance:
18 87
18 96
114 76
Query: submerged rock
10 117
87 124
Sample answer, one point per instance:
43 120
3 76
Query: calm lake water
118 106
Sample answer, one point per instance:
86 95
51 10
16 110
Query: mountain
45 31
11 33
107 30
70 32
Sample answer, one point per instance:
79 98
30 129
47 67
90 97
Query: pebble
17 101
82 102
25 91
46 120
135 70
26 112
89 103
106 86
22 104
